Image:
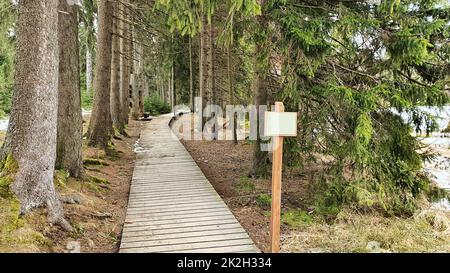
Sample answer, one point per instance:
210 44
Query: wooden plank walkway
172 207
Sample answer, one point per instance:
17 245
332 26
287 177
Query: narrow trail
172 207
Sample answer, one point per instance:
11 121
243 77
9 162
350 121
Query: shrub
244 185
87 99
5 102
156 106
264 200
296 218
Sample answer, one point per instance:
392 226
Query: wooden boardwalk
172 206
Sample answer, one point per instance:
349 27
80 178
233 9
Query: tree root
56 214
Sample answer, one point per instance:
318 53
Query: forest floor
94 205
304 229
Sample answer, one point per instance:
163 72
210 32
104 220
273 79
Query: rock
71 199
317 250
102 215
90 243
373 246
437 219
73 247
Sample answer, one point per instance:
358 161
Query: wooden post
277 161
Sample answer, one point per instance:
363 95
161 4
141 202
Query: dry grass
428 231
2 137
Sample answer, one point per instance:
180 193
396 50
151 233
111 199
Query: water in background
4 122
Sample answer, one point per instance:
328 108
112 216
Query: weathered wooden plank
186 213
190 246
175 208
152 217
177 205
168 199
187 240
169 192
179 220
161 197
183 230
222 249
150 226
180 235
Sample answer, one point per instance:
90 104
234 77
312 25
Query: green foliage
264 200
7 54
60 177
9 168
87 98
244 185
5 102
351 70
187 16
296 218
156 106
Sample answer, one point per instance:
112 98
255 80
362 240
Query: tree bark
124 70
89 67
115 102
136 83
201 60
70 122
212 96
100 126
174 90
211 64
31 137
231 94
260 158
203 64
191 78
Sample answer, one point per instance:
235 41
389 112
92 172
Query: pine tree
70 127
29 151
100 126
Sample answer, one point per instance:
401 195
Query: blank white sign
280 124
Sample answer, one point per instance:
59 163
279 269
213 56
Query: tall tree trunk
124 68
136 75
131 54
142 94
211 76
211 64
115 102
169 88
89 68
100 126
201 59
31 137
191 78
174 90
70 127
231 93
260 158
203 64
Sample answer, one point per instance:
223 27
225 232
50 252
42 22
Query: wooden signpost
278 124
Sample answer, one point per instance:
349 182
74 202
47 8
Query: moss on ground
16 235
296 218
95 161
